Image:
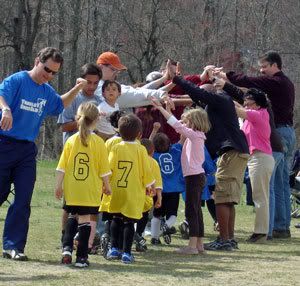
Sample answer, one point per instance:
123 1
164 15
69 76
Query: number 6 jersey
171 171
83 168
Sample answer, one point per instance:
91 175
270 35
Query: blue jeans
278 157
282 186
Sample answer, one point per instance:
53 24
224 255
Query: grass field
274 263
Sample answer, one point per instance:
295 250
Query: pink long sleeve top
192 156
257 130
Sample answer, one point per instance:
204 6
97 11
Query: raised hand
179 70
170 70
156 126
81 82
219 82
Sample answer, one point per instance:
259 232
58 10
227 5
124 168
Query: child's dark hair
148 144
161 143
115 116
130 126
110 82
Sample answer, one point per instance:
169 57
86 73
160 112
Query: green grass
274 263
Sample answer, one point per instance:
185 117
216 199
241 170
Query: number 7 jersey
131 175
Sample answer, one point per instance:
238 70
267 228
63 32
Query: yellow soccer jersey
154 167
131 175
105 198
112 142
83 168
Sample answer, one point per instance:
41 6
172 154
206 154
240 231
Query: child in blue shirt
169 159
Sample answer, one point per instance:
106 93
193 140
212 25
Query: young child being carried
195 124
82 170
111 90
131 177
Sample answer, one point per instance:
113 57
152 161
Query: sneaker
113 254
140 243
66 255
155 241
104 244
184 230
281 234
14 254
297 225
219 244
173 230
218 239
257 238
82 262
166 234
127 258
233 243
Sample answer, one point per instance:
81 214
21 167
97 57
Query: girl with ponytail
82 170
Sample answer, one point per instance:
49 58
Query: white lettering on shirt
36 107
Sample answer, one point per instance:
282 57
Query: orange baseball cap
109 58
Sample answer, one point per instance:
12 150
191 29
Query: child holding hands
195 124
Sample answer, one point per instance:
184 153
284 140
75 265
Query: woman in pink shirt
195 123
261 163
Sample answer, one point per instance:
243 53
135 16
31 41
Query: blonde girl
194 124
82 170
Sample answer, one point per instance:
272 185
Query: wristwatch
5 109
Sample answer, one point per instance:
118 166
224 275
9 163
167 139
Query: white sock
155 227
171 221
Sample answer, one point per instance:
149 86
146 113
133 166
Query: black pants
193 211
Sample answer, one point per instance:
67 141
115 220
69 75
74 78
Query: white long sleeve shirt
133 97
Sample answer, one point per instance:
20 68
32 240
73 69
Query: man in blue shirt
92 74
25 99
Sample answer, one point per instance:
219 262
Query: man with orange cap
110 66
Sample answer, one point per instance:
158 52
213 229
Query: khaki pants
260 167
229 177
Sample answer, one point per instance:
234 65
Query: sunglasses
47 70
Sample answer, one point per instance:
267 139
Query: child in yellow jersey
107 217
140 242
82 170
131 176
